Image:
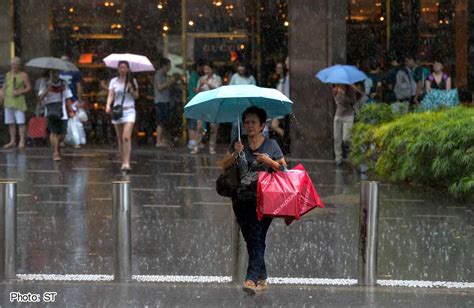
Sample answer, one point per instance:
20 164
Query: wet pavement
180 226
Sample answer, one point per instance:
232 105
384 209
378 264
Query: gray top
164 95
344 104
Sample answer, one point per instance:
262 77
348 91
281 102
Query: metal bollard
8 230
368 221
121 219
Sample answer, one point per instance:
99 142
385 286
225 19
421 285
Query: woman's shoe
9 145
249 287
261 285
125 168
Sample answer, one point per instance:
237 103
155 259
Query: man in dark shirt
391 78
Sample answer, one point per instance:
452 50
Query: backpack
405 85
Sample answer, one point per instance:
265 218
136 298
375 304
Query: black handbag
117 110
228 181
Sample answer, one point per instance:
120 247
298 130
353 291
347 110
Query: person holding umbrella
16 85
261 154
123 92
57 98
225 105
344 92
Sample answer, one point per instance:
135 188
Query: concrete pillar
34 28
317 39
6 38
462 42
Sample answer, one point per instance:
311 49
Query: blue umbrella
344 74
227 103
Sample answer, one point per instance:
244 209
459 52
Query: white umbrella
51 63
137 63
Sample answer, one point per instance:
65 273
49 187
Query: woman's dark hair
124 62
285 70
129 76
209 63
247 67
259 112
164 62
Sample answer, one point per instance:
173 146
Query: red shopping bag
288 194
37 128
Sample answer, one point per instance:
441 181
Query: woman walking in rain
57 99
261 154
16 85
123 92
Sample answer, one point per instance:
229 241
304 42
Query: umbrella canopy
137 63
344 74
227 103
51 63
71 67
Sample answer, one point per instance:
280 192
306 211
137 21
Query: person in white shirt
123 90
243 76
209 81
57 98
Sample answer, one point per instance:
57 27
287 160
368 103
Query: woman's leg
22 130
338 132
213 138
12 131
54 141
119 133
265 225
127 142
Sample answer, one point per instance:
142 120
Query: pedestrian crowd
60 99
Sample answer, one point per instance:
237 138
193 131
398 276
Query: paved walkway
181 227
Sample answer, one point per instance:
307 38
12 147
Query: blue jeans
254 233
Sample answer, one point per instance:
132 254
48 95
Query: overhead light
242 46
107 3
71 10
160 6
191 23
382 18
75 28
286 23
165 28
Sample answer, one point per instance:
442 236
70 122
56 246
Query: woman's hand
264 158
16 93
238 146
107 109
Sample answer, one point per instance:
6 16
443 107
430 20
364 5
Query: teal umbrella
227 103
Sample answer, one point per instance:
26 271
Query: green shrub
431 148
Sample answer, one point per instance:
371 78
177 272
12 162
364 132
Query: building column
317 39
461 21
6 39
33 29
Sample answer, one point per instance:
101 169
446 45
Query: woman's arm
110 99
27 84
275 165
428 86
448 83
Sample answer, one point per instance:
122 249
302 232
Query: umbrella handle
238 127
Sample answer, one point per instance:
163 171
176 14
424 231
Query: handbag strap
124 91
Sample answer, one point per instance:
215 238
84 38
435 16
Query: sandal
249 287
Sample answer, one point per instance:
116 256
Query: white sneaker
192 144
195 150
212 150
